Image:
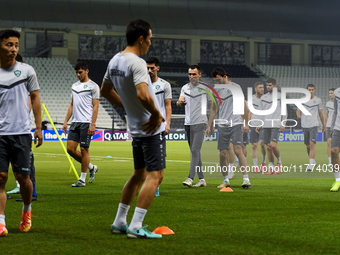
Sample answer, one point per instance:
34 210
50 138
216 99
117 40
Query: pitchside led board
180 135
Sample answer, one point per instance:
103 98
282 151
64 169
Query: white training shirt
15 84
193 109
126 71
336 114
272 120
256 119
162 90
313 106
330 109
83 94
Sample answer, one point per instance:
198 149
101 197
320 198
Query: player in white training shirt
84 108
310 124
328 121
128 74
16 81
255 121
163 94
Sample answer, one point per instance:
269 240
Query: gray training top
126 71
336 114
15 84
313 106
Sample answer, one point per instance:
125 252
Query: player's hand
257 130
38 135
65 128
91 130
324 129
331 133
182 102
245 129
282 128
167 128
299 117
153 123
207 131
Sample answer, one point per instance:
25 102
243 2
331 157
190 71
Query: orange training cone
226 189
163 231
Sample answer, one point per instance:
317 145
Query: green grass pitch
290 213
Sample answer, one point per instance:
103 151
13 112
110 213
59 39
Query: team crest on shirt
314 101
17 73
228 91
157 87
85 86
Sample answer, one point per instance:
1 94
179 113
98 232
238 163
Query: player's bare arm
322 121
92 128
68 116
156 117
107 91
298 114
36 106
168 112
213 112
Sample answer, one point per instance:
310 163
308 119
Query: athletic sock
255 161
90 166
337 176
137 219
264 158
271 166
246 178
27 208
2 219
82 176
226 179
279 160
18 184
120 220
329 159
311 161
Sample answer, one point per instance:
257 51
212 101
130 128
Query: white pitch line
118 158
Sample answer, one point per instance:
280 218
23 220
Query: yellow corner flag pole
62 145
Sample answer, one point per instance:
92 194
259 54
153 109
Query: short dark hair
195 67
135 29
153 60
228 75
5 34
19 58
218 71
310 86
257 84
81 65
332 89
272 81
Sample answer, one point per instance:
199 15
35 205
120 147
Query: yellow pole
62 145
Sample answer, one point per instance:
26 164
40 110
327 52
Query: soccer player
163 94
16 190
128 74
335 144
272 127
310 124
255 122
328 121
17 80
84 108
195 124
229 132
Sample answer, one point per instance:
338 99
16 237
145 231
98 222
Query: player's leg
335 159
154 155
32 177
275 133
263 151
21 165
254 138
5 151
188 182
329 141
223 147
16 190
196 146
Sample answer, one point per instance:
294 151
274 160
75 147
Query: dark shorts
254 136
79 133
149 152
16 149
310 134
335 139
245 139
328 133
227 135
271 135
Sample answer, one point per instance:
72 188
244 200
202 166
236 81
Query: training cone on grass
226 189
163 231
